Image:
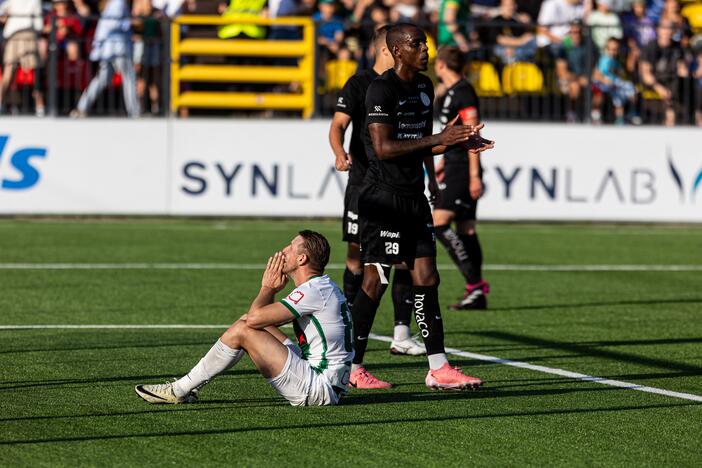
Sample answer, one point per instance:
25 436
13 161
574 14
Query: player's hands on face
343 163
273 276
475 186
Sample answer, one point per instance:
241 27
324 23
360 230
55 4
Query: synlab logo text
20 173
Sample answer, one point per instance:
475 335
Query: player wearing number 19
312 374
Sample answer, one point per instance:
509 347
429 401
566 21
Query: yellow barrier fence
302 73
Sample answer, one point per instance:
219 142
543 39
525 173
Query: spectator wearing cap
22 26
112 49
604 24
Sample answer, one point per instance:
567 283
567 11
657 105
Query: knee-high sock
402 303
218 359
428 316
453 243
352 284
475 256
363 314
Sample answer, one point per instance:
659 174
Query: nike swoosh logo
402 102
361 338
438 317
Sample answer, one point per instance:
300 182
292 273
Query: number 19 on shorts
392 248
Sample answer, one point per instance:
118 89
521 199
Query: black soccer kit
352 102
461 100
396 224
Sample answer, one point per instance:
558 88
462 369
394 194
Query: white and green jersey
323 328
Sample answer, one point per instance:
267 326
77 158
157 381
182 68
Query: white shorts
301 385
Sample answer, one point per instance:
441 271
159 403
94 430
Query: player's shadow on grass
487 392
598 304
134 379
590 348
150 345
339 424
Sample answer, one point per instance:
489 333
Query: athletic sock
437 361
363 314
475 256
456 249
352 284
402 303
428 316
218 359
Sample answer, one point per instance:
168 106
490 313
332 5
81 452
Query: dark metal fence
530 82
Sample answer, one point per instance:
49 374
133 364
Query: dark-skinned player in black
460 174
351 109
395 216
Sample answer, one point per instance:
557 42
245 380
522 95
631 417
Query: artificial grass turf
68 398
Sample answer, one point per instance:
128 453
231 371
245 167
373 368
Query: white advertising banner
285 168
91 166
254 168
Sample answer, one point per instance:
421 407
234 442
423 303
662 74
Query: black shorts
455 193
394 228
349 220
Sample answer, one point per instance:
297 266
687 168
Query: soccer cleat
411 347
163 394
361 378
475 297
451 378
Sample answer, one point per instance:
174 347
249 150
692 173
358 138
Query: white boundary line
387 339
332 266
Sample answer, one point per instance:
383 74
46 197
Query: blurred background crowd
611 61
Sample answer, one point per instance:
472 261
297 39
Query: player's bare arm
387 148
337 130
263 312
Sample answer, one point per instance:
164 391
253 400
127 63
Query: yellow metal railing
302 73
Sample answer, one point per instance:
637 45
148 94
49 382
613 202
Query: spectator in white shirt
23 22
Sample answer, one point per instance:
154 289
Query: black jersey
352 102
407 106
460 99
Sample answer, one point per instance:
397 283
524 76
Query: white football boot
411 347
163 394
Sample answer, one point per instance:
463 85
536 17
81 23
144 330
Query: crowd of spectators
605 59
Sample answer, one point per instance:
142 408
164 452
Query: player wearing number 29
314 372
351 109
396 224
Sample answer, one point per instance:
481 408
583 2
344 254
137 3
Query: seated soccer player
315 373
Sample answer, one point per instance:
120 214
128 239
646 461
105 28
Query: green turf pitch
66 396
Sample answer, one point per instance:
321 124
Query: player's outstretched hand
273 276
478 144
458 134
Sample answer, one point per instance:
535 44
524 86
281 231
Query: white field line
333 266
373 336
